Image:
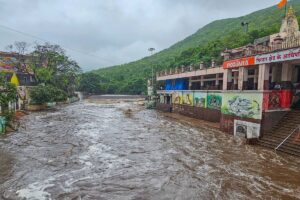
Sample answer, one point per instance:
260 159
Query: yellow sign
14 80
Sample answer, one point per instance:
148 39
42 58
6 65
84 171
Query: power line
44 40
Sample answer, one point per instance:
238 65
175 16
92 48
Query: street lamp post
151 50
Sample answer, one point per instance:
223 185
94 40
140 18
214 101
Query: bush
44 94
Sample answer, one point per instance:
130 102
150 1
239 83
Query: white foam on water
71 181
36 191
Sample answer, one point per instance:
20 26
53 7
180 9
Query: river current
106 151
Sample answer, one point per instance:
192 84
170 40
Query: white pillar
287 72
235 78
190 83
20 104
274 73
217 80
243 76
263 76
225 79
255 75
9 106
202 81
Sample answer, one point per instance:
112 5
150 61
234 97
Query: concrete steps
281 131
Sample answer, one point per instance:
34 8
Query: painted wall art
187 98
162 99
8 63
177 97
200 99
248 105
214 100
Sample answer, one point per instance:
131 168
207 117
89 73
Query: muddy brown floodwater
101 151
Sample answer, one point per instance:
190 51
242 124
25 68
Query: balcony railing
250 50
184 69
261 49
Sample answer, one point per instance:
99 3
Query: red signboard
242 62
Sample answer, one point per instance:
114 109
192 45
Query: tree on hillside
21 47
52 66
91 83
217 33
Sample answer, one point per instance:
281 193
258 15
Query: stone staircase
281 131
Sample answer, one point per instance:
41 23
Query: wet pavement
103 151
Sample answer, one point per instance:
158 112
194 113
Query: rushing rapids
92 150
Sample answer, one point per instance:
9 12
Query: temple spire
291 11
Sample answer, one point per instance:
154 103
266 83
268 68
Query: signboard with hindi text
281 56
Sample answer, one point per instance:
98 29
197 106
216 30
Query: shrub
44 94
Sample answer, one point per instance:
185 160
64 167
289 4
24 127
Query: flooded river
100 151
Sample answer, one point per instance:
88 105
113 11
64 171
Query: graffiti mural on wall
8 63
243 105
13 64
277 99
187 98
162 99
200 99
214 101
177 98
274 100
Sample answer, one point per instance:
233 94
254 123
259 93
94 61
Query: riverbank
13 125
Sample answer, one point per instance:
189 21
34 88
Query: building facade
17 69
256 86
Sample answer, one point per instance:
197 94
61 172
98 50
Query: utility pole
151 50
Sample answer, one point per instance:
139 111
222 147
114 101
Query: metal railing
294 131
252 50
184 69
261 49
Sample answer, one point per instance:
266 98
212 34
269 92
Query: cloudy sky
100 33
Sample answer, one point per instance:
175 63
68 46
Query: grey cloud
114 31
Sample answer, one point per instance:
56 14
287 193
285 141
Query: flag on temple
282 3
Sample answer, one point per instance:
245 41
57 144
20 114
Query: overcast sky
100 33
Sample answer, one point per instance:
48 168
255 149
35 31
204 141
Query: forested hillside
205 44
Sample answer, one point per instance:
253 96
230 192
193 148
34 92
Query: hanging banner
281 56
242 62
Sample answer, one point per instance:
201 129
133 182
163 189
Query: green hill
205 44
